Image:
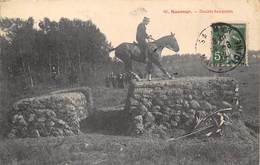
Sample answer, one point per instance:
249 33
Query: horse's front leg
159 65
168 75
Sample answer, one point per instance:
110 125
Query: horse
127 52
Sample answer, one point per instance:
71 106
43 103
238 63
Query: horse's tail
112 49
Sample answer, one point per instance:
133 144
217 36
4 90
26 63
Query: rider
142 36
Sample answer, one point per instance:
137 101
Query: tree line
32 53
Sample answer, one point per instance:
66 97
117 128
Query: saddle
136 45
151 47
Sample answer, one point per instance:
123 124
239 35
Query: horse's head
171 43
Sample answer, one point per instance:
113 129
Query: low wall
165 106
55 114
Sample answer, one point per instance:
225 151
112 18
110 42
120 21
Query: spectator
120 81
107 80
113 79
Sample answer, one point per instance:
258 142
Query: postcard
129 82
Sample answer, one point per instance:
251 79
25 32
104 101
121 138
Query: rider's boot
146 55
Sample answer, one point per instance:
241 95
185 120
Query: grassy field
116 150
102 148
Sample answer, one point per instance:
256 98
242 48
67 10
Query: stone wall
165 106
54 114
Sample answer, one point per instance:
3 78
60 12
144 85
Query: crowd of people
119 80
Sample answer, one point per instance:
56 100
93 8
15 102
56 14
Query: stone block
54 114
174 103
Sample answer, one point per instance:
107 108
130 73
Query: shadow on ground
107 121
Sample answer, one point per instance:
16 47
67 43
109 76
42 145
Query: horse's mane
162 38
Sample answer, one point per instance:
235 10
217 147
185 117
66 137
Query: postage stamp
222 46
228 44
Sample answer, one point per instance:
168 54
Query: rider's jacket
141 34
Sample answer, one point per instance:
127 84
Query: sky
118 19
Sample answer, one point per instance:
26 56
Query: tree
67 45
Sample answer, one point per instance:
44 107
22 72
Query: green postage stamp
222 46
228 44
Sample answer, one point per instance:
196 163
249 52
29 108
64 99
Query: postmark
222 46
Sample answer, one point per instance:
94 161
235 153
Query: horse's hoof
172 77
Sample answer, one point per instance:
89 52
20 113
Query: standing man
141 38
